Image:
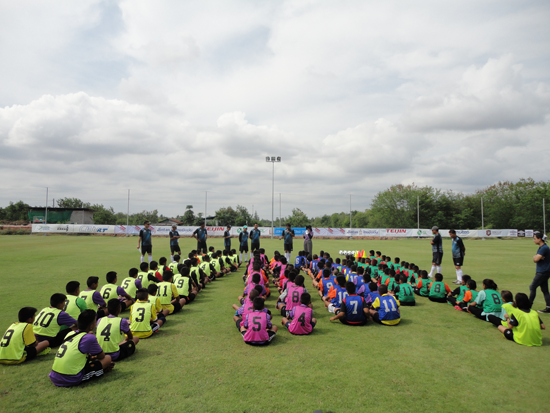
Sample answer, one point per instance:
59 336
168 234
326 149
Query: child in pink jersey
290 297
248 307
257 329
302 317
251 286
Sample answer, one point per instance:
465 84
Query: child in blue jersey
333 299
353 310
373 294
385 309
362 287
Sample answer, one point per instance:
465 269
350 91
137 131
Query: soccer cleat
545 311
458 308
45 351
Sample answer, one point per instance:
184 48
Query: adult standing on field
308 243
145 241
437 251
458 251
201 235
255 239
227 239
174 236
542 259
243 243
288 236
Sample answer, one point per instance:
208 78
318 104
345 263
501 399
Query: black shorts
254 246
146 249
438 299
31 352
407 304
92 369
175 248
376 318
126 350
288 247
122 306
458 261
509 334
238 323
437 258
201 247
243 247
54 341
177 307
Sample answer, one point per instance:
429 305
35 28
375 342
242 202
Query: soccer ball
341 252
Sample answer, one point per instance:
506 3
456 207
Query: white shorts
331 308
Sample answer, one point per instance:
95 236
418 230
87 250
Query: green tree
104 215
243 216
17 211
189 216
72 203
298 218
226 216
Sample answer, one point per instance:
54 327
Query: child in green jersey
469 296
18 343
458 293
507 305
404 292
143 316
47 325
438 290
113 333
422 285
489 300
524 325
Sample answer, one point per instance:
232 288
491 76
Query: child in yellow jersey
143 316
47 325
18 343
155 302
114 335
74 305
80 358
168 294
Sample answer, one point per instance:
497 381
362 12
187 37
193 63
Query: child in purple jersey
257 329
302 317
290 298
248 306
362 287
373 295
94 361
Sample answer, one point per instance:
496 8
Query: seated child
290 298
524 325
371 296
404 292
111 290
47 325
488 301
257 329
333 299
74 305
154 300
143 316
247 307
507 309
326 283
145 276
168 294
353 309
18 343
93 298
385 309
302 317
185 286
249 287
113 333
438 290
469 296
131 283
80 357
423 285
459 291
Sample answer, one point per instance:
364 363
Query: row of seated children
55 325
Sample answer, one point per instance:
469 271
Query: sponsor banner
398 232
53 228
362 232
94 229
493 233
278 232
462 233
529 233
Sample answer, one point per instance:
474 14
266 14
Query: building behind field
61 215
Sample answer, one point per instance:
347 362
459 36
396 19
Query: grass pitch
437 359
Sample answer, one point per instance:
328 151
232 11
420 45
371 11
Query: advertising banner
462 233
493 233
52 228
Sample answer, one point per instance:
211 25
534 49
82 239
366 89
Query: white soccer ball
340 252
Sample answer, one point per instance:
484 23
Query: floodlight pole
272 159
482 221
205 205
280 209
418 216
350 226
46 215
128 214
543 216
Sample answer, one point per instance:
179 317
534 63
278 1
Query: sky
181 101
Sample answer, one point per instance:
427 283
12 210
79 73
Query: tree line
514 205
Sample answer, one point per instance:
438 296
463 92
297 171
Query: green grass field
437 359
